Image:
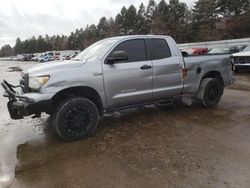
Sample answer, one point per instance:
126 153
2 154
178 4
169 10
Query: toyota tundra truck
113 74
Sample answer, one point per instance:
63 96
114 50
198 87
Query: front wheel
210 92
75 118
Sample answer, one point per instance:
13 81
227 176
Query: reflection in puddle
5 180
11 136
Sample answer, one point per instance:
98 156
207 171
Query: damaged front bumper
243 67
27 104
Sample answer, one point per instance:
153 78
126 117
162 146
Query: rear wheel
75 118
210 92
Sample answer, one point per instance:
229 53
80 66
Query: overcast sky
26 18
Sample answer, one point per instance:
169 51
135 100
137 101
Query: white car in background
36 56
45 57
242 59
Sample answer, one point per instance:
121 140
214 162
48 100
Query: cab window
135 48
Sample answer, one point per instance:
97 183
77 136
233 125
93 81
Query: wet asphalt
175 146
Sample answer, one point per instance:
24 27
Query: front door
129 82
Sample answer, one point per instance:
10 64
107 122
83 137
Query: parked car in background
225 50
27 57
71 56
35 57
20 57
242 59
68 57
241 47
194 51
45 58
57 57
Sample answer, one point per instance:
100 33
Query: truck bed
195 65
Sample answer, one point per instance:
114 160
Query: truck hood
47 68
243 54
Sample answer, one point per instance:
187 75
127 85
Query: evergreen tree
32 45
47 43
179 18
208 20
160 23
150 13
41 45
113 29
18 48
232 8
121 21
102 27
204 19
142 26
6 50
127 20
131 20
72 41
90 35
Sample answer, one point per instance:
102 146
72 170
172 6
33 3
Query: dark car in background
224 50
27 57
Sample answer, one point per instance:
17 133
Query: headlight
37 82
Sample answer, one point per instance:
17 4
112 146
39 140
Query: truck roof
140 36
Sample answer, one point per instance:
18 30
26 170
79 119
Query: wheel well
81 91
214 74
184 54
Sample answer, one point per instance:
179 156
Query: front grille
241 60
24 82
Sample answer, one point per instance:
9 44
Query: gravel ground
175 146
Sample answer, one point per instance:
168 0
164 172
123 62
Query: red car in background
194 51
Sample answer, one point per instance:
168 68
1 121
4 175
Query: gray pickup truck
113 74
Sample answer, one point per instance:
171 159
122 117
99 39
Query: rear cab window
160 49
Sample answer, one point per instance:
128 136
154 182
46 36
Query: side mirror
117 56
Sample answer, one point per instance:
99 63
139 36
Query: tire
75 118
210 92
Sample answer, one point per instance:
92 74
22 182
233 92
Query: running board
162 102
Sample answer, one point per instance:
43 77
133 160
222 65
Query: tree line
207 20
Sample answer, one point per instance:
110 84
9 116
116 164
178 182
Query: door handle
97 73
146 67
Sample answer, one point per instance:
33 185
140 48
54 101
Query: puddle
12 135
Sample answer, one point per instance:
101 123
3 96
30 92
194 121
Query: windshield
220 51
96 50
247 48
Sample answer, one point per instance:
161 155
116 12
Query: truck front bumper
245 66
27 104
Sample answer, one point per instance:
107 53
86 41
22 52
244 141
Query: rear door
167 79
129 82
